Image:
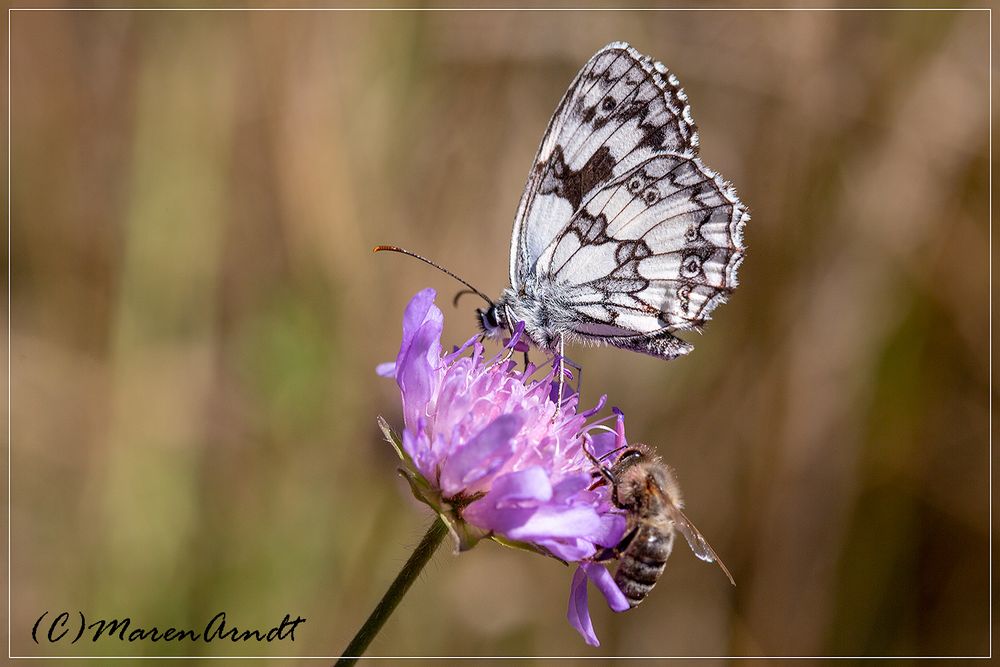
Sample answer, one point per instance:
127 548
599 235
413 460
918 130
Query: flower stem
421 555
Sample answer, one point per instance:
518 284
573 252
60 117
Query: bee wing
699 545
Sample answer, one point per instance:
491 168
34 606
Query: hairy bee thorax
643 482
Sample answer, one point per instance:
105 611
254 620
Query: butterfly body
540 304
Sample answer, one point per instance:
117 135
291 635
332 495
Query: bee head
633 456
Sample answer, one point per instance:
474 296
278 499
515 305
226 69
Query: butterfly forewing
621 109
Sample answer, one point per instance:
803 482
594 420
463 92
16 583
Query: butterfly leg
579 370
562 374
506 356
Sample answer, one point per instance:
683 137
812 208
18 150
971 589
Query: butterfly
623 236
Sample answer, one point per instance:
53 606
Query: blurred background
197 315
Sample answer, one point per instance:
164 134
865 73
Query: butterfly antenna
402 251
461 293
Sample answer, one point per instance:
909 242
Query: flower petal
481 456
569 550
578 613
386 370
415 371
612 530
597 408
570 485
606 584
511 501
605 442
502 520
420 308
516 487
418 446
554 522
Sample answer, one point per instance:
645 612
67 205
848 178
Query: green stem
421 555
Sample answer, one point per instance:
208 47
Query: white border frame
987 10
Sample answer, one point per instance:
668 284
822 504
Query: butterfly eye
651 196
691 266
489 320
635 185
691 234
607 104
492 317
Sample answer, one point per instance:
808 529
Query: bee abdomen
642 564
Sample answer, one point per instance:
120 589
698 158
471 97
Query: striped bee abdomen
642 562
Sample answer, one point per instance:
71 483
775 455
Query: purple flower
485 446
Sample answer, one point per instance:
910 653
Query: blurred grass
196 317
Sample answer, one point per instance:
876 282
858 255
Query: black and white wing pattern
654 251
621 109
622 225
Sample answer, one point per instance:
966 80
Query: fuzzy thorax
541 306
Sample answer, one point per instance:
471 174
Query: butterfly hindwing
655 250
621 109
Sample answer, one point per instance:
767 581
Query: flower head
488 448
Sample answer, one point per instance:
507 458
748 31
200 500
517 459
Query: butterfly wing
654 251
621 109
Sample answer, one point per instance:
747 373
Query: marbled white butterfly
623 236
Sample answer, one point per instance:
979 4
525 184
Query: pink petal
558 522
606 584
420 309
578 613
513 488
415 373
570 550
481 456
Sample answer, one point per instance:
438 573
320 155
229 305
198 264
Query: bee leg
599 481
605 555
608 478
601 471
615 552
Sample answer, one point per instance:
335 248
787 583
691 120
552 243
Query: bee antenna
402 251
613 451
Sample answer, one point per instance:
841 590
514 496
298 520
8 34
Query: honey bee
643 486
